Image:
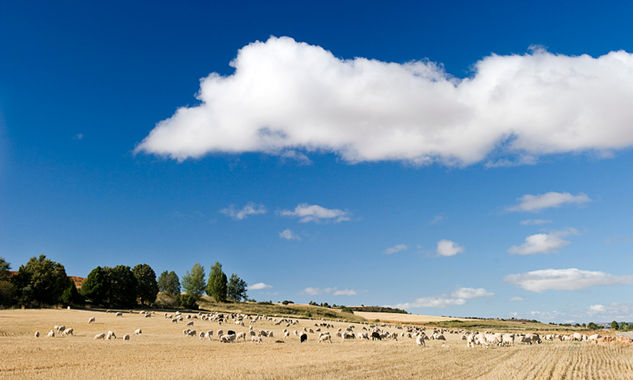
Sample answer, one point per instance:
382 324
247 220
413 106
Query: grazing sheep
256 339
201 335
375 335
303 337
37 334
190 323
324 337
110 335
51 334
69 331
419 340
138 332
118 314
241 335
228 338
91 320
126 337
100 336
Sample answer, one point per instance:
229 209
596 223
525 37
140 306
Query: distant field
163 352
405 318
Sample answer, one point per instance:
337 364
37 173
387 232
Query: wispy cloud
535 222
534 203
396 248
458 297
516 299
543 243
78 136
333 291
287 234
296 156
315 213
436 219
243 213
448 248
565 279
259 286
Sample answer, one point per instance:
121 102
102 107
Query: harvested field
162 352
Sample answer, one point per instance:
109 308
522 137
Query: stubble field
163 352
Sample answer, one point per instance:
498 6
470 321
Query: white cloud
458 297
565 279
516 299
396 248
315 213
259 286
312 291
437 219
298 157
285 95
78 136
333 291
543 243
597 308
448 248
539 202
469 293
535 222
249 209
344 292
289 235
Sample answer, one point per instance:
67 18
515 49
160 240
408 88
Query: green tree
592 326
146 285
71 295
614 325
217 285
7 290
168 282
97 286
623 326
236 289
193 281
123 286
41 281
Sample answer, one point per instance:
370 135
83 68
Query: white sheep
419 340
138 332
227 338
118 314
91 320
51 334
126 337
69 331
110 335
37 334
100 336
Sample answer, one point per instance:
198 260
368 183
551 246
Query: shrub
189 301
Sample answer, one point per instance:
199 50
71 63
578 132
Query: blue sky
339 156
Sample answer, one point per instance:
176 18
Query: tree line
43 282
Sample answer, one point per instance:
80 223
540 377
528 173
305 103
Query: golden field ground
163 352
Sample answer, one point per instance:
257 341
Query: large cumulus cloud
286 95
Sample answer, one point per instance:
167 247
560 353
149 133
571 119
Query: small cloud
516 299
298 157
534 222
344 292
565 279
333 291
395 249
597 308
315 213
448 248
246 211
457 298
470 293
543 243
437 219
312 291
289 235
78 136
259 286
535 203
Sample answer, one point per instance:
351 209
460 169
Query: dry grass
163 352
406 318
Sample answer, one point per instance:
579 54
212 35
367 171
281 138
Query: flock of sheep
322 331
